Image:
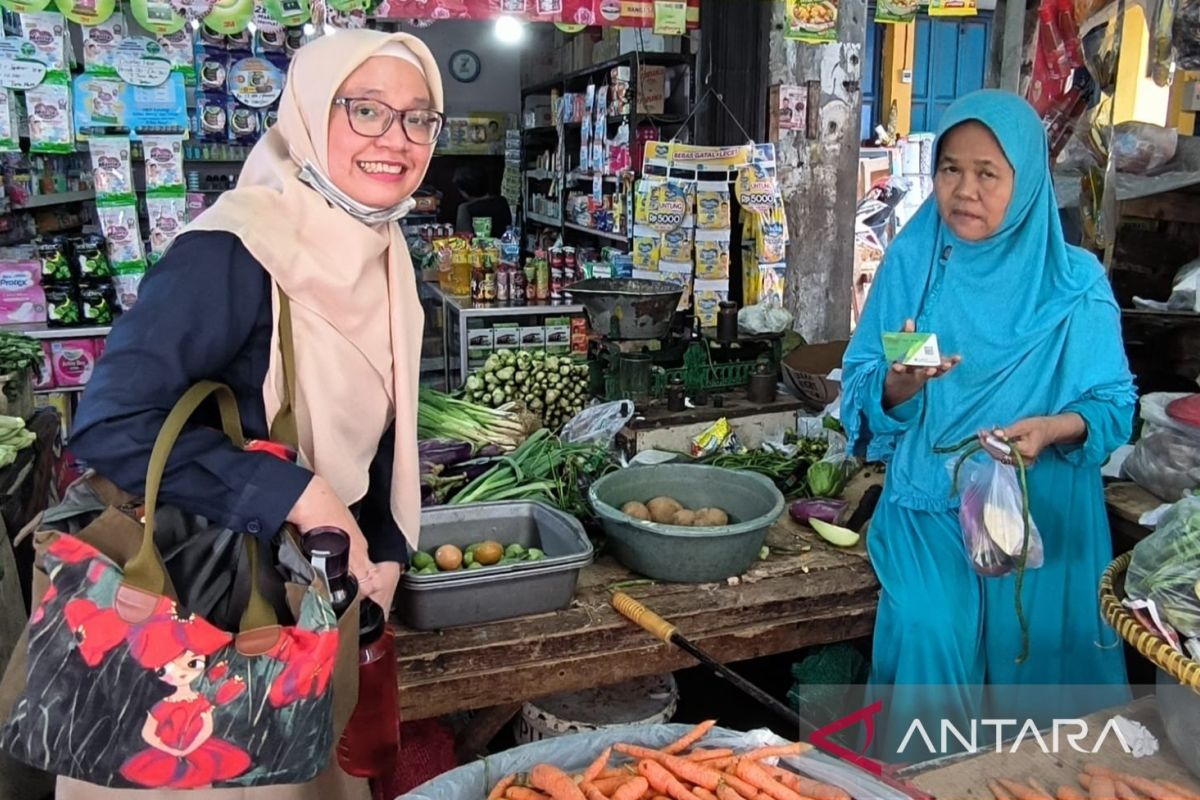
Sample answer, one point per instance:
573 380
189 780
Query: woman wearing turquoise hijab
1038 361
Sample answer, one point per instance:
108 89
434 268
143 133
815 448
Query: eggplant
820 508
443 452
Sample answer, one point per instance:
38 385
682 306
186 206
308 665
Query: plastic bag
761 319
573 753
1185 293
1165 568
992 519
600 423
1166 459
1142 147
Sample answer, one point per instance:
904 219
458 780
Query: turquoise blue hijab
1016 306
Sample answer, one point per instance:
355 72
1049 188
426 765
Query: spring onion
440 416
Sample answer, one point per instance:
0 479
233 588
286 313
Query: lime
421 560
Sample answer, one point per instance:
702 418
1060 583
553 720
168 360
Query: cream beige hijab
356 318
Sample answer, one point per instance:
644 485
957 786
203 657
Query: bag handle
283 428
145 570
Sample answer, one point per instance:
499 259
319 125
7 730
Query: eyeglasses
373 118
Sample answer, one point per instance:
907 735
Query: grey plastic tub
449 599
687 555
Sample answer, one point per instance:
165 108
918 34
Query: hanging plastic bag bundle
991 515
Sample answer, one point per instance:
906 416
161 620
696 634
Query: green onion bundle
440 416
543 468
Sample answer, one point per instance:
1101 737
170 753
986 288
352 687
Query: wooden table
806 593
962 777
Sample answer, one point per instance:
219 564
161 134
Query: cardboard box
583 47
806 370
506 336
533 338
480 344
641 40
652 90
558 335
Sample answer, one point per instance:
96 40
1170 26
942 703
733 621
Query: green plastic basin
687 555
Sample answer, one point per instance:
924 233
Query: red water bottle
371 741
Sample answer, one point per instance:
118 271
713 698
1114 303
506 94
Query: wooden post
818 170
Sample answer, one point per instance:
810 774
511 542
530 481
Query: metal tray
450 599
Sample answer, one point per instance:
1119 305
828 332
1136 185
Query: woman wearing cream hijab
314 216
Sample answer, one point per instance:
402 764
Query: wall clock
464 66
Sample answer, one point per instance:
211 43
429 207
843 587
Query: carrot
611 784
703 794
624 771
690 738
1099 788
498 790
554 782
1125 792
1020 791
690 771
1134 782
1069 793
720 764
591 792
523 793
634 788
664 782
807 787
740 786
998 791
727 792
793 749
1178 792
597 766
708 755
759 778
1042 790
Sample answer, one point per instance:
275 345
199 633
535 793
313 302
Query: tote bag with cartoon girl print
125 688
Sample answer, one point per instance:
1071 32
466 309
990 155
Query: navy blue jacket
204 312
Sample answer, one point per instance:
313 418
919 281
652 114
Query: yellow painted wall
1185 121
1137 96
899 54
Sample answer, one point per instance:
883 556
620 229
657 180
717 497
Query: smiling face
974 182
383 171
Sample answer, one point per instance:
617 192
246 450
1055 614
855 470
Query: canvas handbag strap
145 570
283 427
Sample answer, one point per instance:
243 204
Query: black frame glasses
394 115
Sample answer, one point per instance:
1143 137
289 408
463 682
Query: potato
684 517
636 510
663 508
711 518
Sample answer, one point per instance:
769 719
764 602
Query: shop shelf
55 199
618 237
42 332
554 223
62 390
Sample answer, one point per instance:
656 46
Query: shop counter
806 593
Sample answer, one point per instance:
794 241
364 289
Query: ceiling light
510 30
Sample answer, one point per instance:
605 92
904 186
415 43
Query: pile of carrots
679 771
1099 783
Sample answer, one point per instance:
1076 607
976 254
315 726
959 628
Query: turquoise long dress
1039 332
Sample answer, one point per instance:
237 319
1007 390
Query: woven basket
1152 646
